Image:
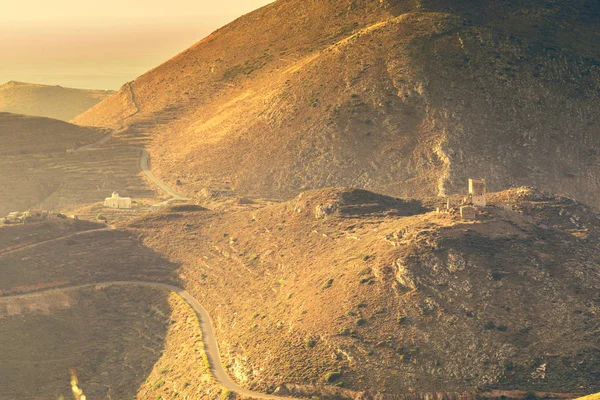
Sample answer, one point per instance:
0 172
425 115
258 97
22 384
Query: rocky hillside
48 101
346 291
397 96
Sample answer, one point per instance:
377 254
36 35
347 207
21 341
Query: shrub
309 342
530 395
332 376
346 332
361 322
327 284
490 325
158 384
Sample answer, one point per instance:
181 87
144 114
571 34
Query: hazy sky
101 44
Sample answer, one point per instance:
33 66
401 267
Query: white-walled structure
117 201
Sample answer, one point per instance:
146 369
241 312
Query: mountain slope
48 101
395 298
402 97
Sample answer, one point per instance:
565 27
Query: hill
132 338
40 169
48 101
338 293
347 288
400 97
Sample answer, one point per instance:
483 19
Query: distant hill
401 97
48 101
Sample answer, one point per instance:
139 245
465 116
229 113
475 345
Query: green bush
158 384
346 332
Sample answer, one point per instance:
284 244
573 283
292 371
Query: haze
102 45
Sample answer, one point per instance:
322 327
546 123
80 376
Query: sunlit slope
371 293
48 101
400 97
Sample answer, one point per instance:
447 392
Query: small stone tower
477 192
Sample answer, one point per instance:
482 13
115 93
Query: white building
117 201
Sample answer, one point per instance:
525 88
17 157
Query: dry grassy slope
89 257
393 297
48 101
114 338
17 236
182 370
402 97
37 171
22 135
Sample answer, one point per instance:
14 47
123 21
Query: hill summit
48 101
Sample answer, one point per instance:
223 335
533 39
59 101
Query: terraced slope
401 97
39 171
90 256
48 101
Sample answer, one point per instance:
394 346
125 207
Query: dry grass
48 101
113 337
404 98
85 258
183 370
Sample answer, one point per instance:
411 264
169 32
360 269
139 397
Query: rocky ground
351 289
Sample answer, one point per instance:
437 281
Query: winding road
144 165
208 332
209 338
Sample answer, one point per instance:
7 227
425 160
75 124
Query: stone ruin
477 192
30 216
469 205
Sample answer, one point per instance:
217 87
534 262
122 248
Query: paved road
92 146
144 165
208 332
144 161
